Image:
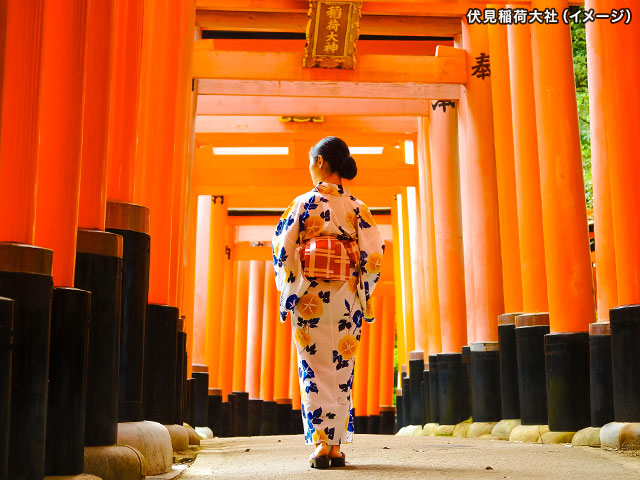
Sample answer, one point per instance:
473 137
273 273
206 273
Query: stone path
389 457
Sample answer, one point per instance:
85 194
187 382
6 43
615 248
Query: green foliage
579 43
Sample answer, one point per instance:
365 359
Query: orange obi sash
330 259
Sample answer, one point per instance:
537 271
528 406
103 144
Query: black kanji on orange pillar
482 68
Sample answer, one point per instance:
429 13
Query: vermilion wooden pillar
254 327
59 160
599 93
445 184
375 343
217 260
434 334
19 120
124 101
190 283
527 172
568 265
242 317
201 274
419 306
59 154
482 186
387 325
467 213
269 325
505 175
564 222
182 153
99 63
622 124
228 328
397 275
407 284
157 144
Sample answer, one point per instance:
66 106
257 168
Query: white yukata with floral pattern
326 316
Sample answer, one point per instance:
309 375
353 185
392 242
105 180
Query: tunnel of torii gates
148 149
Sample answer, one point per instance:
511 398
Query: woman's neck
332 178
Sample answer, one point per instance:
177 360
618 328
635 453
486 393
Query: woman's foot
334 451
320 458
336 457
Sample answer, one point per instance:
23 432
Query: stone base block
503 428
152 440
445 430
204 432
114 462
82 476
410 431
528 433
618 435
194 438
480 429
556 437
179 437
587 437
429 430
460 430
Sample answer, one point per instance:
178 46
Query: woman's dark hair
336 153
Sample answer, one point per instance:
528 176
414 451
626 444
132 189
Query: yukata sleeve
287 264
371 247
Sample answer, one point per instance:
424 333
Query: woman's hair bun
348 168
336 153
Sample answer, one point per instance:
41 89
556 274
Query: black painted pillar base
214 414
181 374
283 416
567 366
373 424
466 362
269 426
226 421
361 424
99 271
601 382
485 372
416 367
406 401
233 402
399 421
70 313
161 329
426 393
201 376
387 419
625 362
530 331
296 422
242 408
191 402
132 223
434 390
452 389
254 417
6 347
25 276
510 397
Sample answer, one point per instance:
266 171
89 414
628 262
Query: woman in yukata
327 300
